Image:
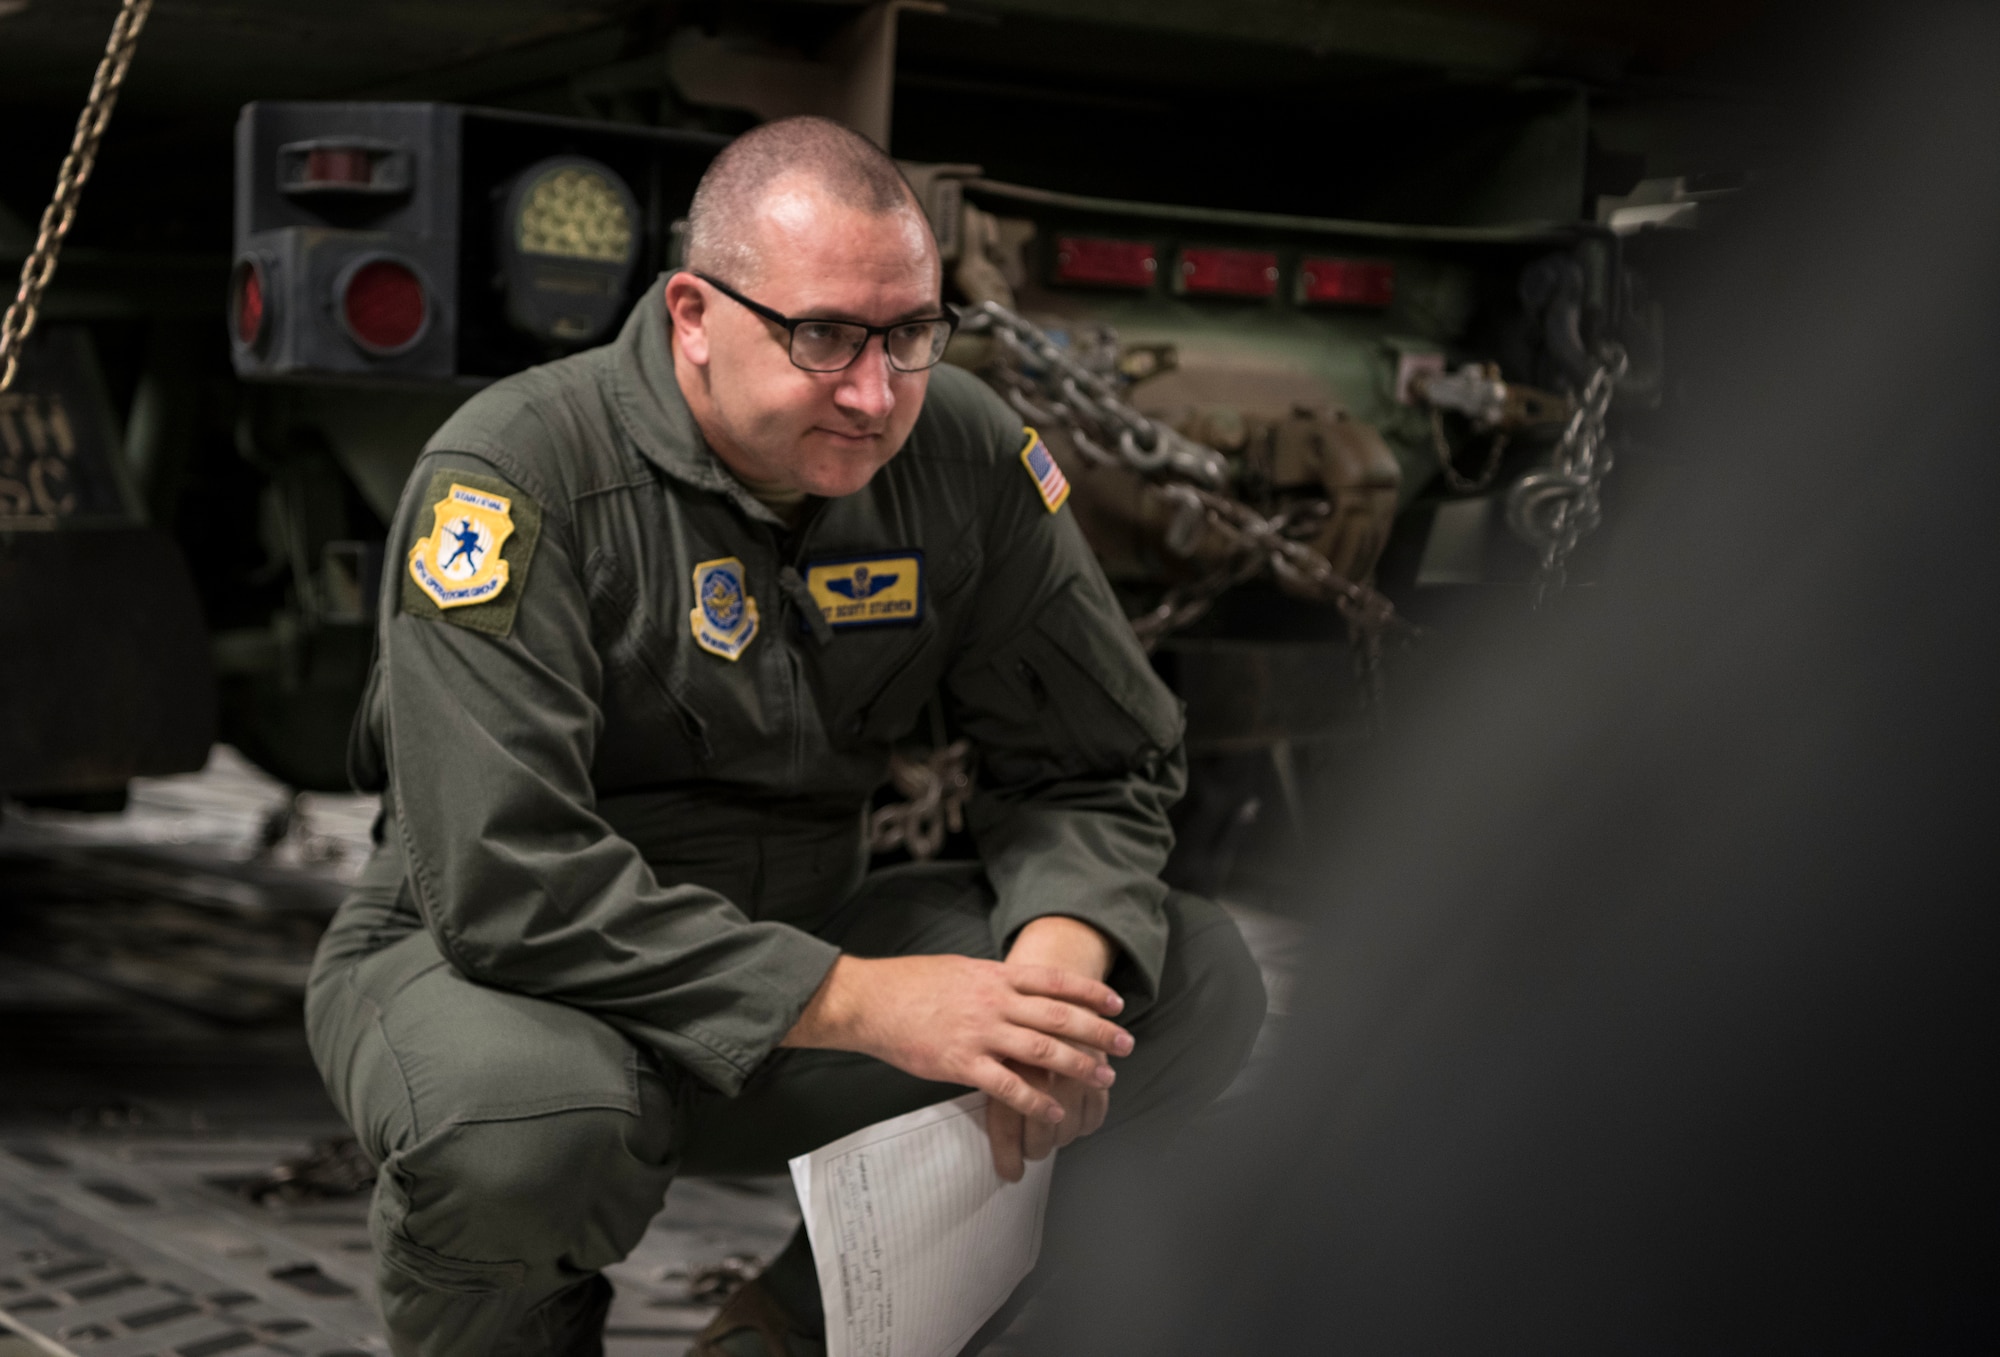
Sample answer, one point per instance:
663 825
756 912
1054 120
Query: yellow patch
868 591
459 563
724 619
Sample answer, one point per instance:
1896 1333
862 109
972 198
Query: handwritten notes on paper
917 1239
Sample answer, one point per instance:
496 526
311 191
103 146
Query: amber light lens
383 306
249 303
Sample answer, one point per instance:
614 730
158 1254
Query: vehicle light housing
1090 261
249 303
382 304
1228 273
344 167
569 238
1347 282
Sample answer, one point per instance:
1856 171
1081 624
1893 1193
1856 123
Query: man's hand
1071 947
1014 1029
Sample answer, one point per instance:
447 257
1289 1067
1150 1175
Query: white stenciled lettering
37 444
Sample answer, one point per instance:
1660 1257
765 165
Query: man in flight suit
659 612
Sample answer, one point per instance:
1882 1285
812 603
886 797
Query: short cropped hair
852 170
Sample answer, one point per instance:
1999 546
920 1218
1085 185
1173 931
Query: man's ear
687 314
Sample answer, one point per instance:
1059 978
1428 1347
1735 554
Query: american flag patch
1050 483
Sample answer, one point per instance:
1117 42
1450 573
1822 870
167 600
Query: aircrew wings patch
1050 483
868 591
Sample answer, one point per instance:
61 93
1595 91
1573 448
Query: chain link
1463 484
1555 508
61 212
1049 386
935 789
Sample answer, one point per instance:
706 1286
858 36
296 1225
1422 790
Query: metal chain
1047 385
1555 508
935 789
61 212
1455 478
1257 543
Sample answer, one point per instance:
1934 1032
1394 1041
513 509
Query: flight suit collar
655 414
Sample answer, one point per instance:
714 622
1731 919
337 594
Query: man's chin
842 466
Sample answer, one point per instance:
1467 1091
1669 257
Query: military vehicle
1309 302
1333 315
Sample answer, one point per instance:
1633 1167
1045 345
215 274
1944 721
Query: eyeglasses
833 345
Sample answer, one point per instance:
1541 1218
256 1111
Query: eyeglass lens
829 345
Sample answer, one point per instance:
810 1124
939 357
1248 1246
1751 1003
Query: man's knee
532 1203
1210 974
1210 1005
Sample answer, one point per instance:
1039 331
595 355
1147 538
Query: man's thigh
1190 1041
408 1046
522 1144
800 1100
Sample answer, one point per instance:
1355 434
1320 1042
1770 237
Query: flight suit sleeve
491 720
1079 741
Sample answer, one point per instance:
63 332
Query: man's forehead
803 239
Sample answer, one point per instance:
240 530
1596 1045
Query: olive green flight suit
618 859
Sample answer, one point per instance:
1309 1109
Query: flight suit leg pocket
344 1031
403 1178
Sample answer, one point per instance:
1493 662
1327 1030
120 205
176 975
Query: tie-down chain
1048 386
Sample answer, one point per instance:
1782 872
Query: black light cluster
415 242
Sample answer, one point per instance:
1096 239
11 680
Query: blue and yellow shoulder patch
724 619
472 565
1050 483
868 591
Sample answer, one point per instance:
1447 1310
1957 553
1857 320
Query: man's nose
865 389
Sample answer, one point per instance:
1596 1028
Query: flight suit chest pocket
873 682
1098 701
651 722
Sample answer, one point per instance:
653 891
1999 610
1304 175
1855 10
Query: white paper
916 1238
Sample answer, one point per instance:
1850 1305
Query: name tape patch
459 563
868 591
724 619
1050 483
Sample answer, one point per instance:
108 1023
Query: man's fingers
1096 1106
997 1081
1072 1023
1039 1139
1003 1129
1060 984
1044 1052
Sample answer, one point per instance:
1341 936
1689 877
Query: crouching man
659 611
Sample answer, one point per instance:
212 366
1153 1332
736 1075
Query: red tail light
383 306
1229 273
1352 282
1106 263
246 303
345 166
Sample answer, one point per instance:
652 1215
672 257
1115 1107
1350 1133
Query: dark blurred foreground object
1683 1039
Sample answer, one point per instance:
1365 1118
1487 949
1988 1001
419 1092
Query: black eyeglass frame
790 325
